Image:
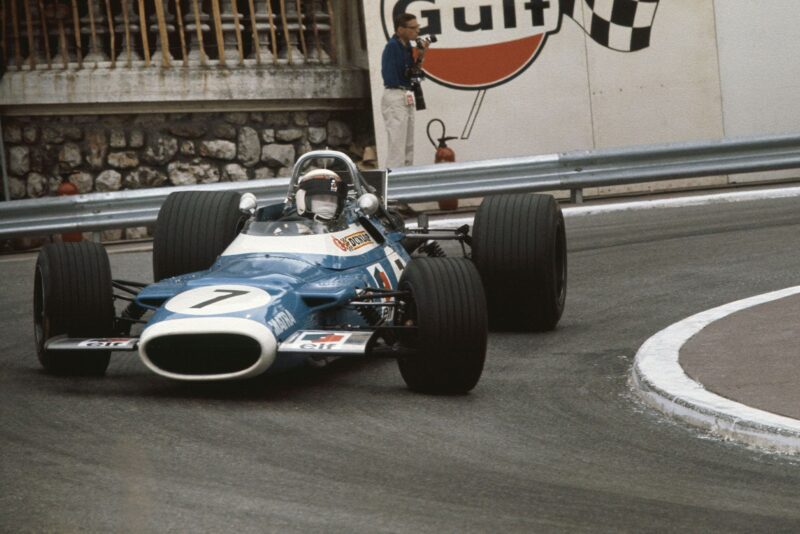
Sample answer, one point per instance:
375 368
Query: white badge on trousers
409 98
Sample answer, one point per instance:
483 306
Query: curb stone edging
661 382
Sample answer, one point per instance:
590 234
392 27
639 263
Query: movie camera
416 75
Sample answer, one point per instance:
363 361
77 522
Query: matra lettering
281 322
486 15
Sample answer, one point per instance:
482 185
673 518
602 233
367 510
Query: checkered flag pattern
622 25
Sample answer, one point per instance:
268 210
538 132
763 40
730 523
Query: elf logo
487 43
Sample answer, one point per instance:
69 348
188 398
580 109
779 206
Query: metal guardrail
566 171
593 168
102 211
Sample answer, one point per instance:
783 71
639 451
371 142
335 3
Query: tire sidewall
192 229
73 297
519 247
449 310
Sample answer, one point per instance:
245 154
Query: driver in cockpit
320 199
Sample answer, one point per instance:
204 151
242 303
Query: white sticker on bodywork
94 343
312 341
124 343
218 300
398 265
382 281
378 273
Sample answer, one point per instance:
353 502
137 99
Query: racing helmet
321 194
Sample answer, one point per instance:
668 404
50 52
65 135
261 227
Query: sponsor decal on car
109 343
282 322
397 264
378 273
323 340
353 241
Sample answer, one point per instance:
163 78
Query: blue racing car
330 272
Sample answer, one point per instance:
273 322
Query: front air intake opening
203 354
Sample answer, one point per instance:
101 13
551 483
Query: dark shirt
395 62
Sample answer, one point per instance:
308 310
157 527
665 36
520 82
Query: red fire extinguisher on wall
68 188
444 154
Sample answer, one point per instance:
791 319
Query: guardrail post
6 190
576 196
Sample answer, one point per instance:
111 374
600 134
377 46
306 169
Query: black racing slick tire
519 245
73 296
193 228
446 304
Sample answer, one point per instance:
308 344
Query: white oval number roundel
218 300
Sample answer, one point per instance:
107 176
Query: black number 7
230 294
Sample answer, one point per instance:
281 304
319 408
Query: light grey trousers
398 116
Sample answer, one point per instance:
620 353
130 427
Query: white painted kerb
662 383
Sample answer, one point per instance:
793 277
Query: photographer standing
398 102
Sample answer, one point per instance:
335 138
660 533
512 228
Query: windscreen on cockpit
293 227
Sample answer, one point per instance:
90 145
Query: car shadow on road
305 382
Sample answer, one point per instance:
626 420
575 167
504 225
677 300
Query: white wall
667 92
759 59
713 69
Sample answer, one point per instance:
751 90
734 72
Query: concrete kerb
661 382
657 375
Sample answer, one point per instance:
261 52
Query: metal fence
566 171
47 34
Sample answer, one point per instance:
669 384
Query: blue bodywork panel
307 287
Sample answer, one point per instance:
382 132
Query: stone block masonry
117 152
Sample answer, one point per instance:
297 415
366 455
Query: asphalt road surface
552 439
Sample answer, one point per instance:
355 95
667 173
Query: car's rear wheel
447 306
519 245
73 296
193 228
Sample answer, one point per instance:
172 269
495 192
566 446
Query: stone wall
117 152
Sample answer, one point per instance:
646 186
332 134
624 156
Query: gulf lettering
464 18
484 24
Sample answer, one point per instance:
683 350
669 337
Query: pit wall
712 69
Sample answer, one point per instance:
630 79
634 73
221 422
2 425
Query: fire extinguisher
68 188
444 154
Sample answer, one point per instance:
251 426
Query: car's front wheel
446 308
73 296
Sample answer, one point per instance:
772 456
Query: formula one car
330 272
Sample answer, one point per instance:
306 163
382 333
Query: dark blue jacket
395 62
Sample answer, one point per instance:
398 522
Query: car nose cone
208 348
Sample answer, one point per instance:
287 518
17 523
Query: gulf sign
486 43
